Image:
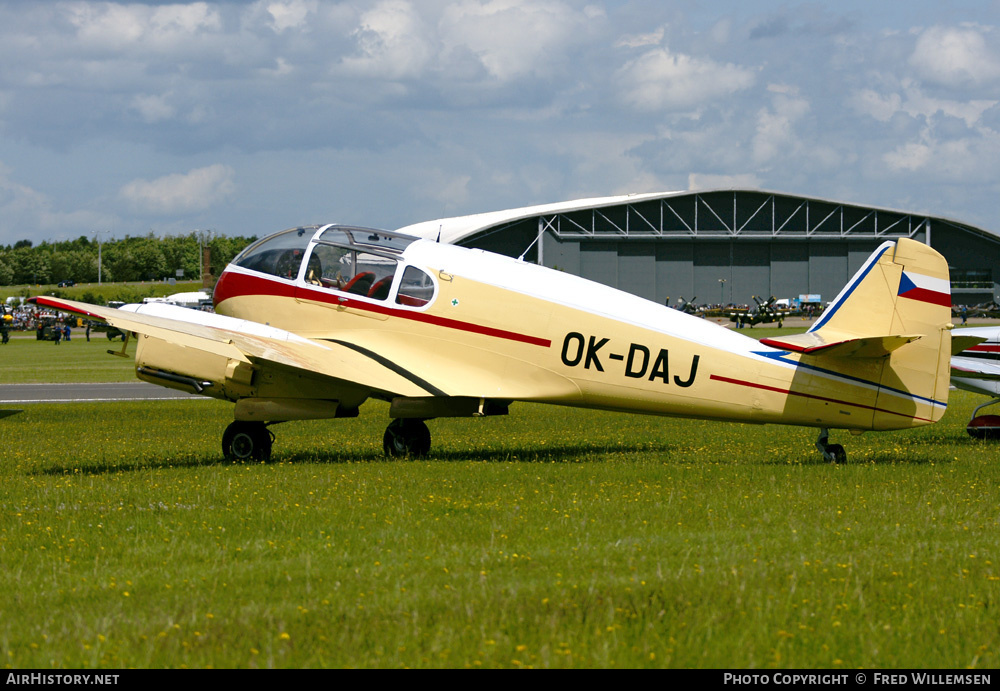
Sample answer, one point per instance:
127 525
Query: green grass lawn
27 360
553 537
550 538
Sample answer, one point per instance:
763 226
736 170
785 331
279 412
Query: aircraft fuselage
493 328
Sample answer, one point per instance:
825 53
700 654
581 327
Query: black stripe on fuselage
390 365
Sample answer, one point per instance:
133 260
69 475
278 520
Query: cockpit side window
279 255
415 288
350 271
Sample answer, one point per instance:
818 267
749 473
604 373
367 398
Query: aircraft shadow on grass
557 454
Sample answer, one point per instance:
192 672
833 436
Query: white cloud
956 57
513 38
291 14
917 103
708 181
450 190
179 193
661 80
914 102
153 108
911 156
641 40
870 102
111 26
393 43
970 160
775 134
26 212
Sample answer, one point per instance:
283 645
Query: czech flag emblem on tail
914 286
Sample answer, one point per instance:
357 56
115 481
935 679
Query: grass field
27 360
550 538
134 289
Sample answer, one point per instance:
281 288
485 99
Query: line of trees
140 258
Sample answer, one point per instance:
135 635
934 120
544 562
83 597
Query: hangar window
981 279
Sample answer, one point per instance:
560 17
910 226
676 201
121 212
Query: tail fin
898 308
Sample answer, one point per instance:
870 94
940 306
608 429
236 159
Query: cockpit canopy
346 259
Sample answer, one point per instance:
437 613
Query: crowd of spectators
27 317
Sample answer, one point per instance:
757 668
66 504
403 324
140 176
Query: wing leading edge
270 352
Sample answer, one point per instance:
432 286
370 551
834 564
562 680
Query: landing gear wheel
406 438
835 454
984 427
244 441
832 453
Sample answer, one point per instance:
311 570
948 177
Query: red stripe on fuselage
233 284
789 392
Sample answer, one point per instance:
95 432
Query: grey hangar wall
726 246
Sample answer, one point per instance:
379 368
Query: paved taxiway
68 393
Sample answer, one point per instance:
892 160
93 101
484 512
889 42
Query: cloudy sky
250 117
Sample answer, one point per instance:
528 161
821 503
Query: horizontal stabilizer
960 343
832 344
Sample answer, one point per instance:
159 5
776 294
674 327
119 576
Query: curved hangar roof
719 214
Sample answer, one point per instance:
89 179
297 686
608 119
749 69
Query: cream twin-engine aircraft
313 321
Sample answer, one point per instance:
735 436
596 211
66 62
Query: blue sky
246 118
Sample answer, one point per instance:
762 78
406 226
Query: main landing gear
406 437
251 441
984 426
833 453
246 441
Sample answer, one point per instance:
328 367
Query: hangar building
721 246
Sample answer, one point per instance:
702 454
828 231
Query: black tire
406 438
984 433
838 453
985 427
246 441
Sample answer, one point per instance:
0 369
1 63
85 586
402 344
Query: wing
976 354
200 334
969 368
248 359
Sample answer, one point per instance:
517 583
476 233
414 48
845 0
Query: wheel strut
832 453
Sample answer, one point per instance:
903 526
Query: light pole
203 237
97 234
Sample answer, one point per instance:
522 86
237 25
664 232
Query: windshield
278 255
345 259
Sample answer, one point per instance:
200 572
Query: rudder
903 290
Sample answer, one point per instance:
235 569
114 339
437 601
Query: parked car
68 283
